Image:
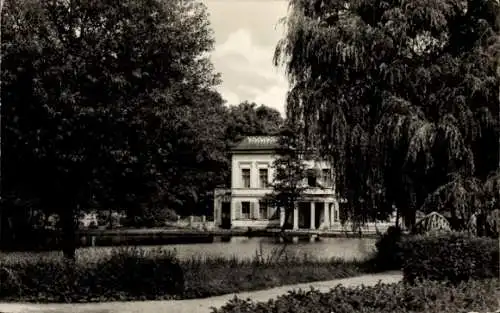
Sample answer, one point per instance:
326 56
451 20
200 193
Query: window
263 210
245 210
327 180
263 178
311 178
245 177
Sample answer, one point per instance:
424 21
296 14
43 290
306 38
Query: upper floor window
326 176
263 178
311 178
245 177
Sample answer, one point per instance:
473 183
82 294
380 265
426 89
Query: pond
238 247
247 247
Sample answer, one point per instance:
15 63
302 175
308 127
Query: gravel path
195 305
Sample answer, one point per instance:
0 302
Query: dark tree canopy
402 96
100 101
247 119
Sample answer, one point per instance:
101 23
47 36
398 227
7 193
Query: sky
246 34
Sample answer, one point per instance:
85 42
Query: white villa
241 206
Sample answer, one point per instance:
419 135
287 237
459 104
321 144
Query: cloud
246 34
230 97
239 44
248 72
274 97
261 18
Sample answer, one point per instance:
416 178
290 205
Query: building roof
252 143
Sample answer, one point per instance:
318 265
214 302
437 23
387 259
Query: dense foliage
134 274
453 257
248 119
111 105
125 274
426 297
101 100
402 96
388 255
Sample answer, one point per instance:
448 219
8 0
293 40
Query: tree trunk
1 205
410 220
110 217
480 224
397 217
69 232
285 222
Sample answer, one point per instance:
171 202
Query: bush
125 274
150 217
388 254
428 297
101 274
217 276
453 257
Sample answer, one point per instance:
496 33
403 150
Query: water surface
242 248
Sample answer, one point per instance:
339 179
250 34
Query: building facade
242 205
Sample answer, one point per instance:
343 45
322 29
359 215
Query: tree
401 96
290 172
90 93
248 119
463 198
196 161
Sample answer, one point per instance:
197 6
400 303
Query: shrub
124 274
101 274
428 297
453 257
216 276
150 217
388 254
102 218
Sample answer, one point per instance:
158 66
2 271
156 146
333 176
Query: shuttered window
245 210
263 213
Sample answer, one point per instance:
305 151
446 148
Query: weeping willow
401 96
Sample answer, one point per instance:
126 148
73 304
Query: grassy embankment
136 274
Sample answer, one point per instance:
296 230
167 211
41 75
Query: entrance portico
312 215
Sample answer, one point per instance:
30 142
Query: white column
296 216
313 215
326 215
282 217
332 212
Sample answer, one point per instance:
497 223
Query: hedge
136 274
453 257
388 255
425 297
125 274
